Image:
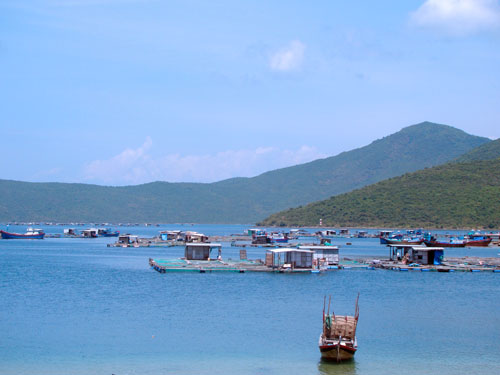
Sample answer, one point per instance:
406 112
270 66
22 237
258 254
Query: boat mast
324 303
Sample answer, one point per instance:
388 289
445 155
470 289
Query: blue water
75 306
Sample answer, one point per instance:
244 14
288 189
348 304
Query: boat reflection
332 368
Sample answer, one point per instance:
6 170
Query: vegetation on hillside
463 195
487 151
238 200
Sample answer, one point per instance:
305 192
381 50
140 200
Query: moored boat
33 234
477 239
411 237
107 232
453 242
279 237
484 242
402 241
338 340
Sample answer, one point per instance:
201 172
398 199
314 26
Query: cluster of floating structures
407 251
207 257
201 257
91 232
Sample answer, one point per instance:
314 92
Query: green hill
487 151
238 200
455 195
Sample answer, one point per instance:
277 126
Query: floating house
328 233
328 255
416 254
90 233
290 259
194 237
427 255
261 239
128 240
170 235
70 232
202 251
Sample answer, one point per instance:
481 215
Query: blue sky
121 92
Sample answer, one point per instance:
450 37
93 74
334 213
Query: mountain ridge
238 200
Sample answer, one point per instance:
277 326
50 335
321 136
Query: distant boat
108 232
411 237
338 341
33 234
279 237
401 241
479 242
477 239
453 242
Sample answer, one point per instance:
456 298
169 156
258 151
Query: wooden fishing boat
435 243
33 234
431 241
338 340
107 232
402 241
484 242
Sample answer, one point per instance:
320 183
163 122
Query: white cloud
458 17
288 58
135 166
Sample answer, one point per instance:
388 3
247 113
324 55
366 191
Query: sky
124 92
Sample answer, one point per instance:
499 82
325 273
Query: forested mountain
239 200
455 195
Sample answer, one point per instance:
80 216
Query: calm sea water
75 306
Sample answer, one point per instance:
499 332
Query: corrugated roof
318 247
288 250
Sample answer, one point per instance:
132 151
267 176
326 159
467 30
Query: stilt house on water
202 251
290 259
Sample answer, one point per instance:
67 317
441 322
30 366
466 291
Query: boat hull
443 244
111 234
336 352
401 242
19 236
479 243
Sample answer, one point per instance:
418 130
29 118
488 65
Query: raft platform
204 266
